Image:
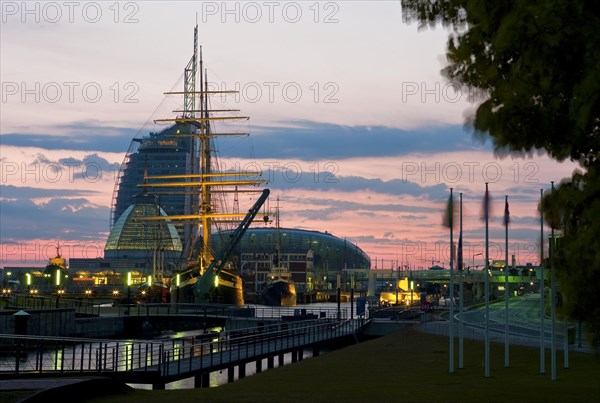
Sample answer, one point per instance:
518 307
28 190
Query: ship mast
278 239
204 180
189 111
206 203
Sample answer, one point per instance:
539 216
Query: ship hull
279 293
228 291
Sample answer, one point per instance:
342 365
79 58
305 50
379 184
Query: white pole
542 291
506 328
451 330
552 301
460 296
487 286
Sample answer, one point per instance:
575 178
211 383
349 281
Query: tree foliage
574 210
537 64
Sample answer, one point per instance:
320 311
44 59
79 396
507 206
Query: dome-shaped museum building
317 260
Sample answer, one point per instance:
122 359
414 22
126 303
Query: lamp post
89 296
59 292
128 287
57 282
28 281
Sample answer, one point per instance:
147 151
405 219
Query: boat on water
279 289
207 275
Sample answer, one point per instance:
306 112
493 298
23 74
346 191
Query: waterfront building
317 260
136 246
157 154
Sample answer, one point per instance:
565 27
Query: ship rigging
208 188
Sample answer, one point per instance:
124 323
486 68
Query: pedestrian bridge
158 362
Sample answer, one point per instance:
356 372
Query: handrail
88 308
173 357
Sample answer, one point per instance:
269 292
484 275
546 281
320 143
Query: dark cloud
296 179
305 140
59 218
309 140
91 167
84 136
26 193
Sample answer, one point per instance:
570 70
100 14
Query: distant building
316 259
136 238
157 154
135 245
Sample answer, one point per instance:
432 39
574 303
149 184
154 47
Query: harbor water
218 378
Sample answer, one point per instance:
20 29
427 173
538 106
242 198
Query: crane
205 285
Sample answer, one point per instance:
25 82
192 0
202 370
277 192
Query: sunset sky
350 119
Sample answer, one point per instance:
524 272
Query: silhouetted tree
536 66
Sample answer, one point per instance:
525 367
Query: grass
405 366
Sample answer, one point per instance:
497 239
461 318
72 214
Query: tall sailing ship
206 275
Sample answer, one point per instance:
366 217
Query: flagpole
460 292
506 291
542 291
451 329
487 286
552 250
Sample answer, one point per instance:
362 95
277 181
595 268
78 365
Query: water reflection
218 378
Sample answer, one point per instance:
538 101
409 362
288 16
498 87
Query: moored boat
279 289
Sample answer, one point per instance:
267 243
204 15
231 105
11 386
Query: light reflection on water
218 378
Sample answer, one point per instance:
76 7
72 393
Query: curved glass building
133 237
314 258
157 154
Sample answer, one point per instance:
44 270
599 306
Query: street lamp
128 287
59 292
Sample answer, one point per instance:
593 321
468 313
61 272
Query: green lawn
406 366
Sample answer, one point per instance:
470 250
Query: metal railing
88 307
21 355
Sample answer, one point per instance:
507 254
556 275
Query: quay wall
65 323
38 322
99 327
58 323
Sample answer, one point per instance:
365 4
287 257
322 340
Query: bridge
158 362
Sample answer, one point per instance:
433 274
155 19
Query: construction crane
204 287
